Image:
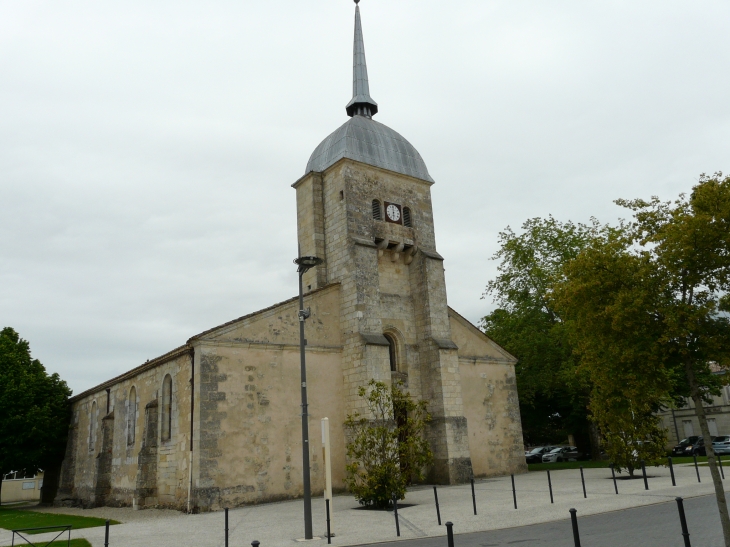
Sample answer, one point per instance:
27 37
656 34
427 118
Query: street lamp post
305 263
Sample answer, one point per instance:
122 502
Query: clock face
393 212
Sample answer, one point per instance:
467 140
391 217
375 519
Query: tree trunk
595 442
714 471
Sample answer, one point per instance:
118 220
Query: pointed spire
361 104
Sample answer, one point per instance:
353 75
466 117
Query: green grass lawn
565 465
14 519
591 464
74 543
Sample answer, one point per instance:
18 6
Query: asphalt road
648 526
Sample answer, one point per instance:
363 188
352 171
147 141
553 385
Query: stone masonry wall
80 478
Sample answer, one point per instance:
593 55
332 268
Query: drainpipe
108 395
192 408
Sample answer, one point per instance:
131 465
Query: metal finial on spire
362 104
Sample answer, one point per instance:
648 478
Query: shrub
387 448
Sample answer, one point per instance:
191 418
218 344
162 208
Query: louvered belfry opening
377 215
407 217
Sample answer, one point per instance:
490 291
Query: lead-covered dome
365 140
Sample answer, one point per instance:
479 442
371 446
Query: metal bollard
450 533
226 539
671 471
473 497
438 511
550 486
643 470
255 543
696 467
583 480
514 492
574 522
106 534
683 522
719 460
613 474
329 533
395 512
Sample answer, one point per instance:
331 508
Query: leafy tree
605 297
647 306
553 396
34 409
388 448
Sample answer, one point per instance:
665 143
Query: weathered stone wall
250 443
248 430
114 476
146 490
491 404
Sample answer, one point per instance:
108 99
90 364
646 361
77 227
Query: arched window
392 352
131 415
377 215
166 408
93 422
407 217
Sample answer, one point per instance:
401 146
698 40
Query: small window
167 408
131 415
407 217
377 215
392 353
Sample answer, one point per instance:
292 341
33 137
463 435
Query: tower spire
361 104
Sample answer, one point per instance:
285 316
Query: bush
388 448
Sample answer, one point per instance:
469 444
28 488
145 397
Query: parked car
721 444
682 448
562 454
535 455
696 448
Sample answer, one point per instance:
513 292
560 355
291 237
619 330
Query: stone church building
217 421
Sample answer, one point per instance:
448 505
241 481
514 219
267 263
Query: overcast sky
147 148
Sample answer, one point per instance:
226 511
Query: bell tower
364 206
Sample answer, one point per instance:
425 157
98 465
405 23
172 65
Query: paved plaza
281 523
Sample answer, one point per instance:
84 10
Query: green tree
605 295
553 395
648 304
34 409
388 448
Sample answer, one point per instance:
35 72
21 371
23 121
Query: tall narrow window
407 217
377 215
392 353
166 408
131 415
92 426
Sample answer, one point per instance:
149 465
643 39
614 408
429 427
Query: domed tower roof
361 138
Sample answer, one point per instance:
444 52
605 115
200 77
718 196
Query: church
217 422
